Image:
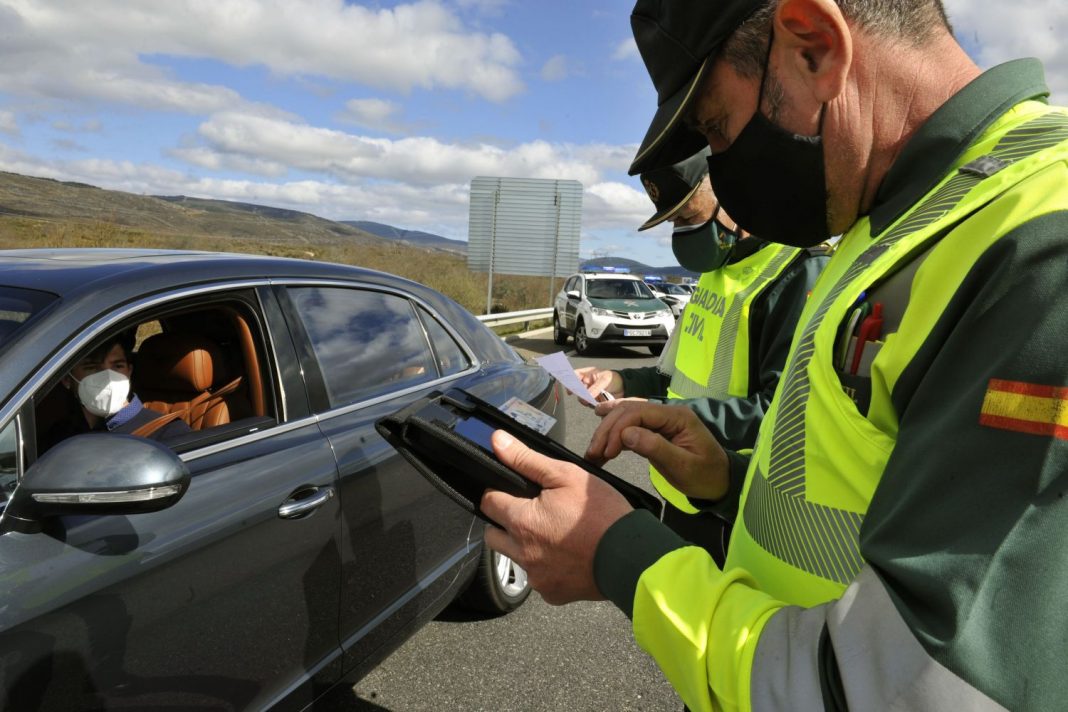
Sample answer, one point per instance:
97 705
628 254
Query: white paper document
561 369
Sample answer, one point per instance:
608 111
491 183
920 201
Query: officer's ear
816 45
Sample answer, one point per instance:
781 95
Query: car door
402 541
224 600
572 307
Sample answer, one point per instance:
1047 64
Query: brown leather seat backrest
173 369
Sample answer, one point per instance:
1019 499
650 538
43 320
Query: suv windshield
18 306
617 289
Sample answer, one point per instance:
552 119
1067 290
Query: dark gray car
277 549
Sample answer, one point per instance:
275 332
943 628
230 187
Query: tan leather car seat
171 370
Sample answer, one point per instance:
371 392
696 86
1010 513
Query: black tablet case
422 433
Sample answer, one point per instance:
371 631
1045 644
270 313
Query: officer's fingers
496 538
662 454
605 445
536 467
588 375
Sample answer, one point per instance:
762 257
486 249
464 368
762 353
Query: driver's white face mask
103 393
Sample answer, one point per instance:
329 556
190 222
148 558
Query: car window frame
314 381
20 450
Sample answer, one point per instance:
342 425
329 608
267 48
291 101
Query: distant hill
414 237
635 267
44 199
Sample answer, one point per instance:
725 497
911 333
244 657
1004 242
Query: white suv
616 309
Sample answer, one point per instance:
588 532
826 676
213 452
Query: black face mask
772 182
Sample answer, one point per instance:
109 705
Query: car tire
582 341
559 335
656 349
500 585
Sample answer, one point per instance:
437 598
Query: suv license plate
637 332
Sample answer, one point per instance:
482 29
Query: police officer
902 520
729 346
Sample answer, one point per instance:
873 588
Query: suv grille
634 315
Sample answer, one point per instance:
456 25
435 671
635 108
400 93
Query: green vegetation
41 213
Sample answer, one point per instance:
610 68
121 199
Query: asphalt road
576 657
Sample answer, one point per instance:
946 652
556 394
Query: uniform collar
746 248
951 129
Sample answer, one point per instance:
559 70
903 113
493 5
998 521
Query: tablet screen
476 431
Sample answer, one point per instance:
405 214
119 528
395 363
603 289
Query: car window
448 354
617 289
367 343
9 462
187 375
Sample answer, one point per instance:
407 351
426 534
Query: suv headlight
664 312
600 312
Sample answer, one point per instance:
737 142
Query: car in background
675 296
610 309
279 549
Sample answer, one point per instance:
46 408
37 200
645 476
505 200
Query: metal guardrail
517 317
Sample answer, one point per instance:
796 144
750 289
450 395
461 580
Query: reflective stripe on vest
718 314
819 460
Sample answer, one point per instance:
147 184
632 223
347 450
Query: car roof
67 272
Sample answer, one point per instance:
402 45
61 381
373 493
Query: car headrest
178 362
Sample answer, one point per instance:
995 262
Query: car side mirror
96 473
573 294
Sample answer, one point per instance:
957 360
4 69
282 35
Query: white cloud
625 50
8 123
1026 28
375 114
611 204
416 160
555 69
93 50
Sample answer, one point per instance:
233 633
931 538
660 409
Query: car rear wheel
582 341
500 585
656 349
559 335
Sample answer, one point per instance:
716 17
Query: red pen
870 330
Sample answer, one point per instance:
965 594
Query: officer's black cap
678 41
672 187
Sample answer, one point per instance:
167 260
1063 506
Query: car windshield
673 289
17 307
617 289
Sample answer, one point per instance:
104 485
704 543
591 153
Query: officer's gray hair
911 21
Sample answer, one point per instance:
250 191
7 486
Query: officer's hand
554 535
671 437
597 380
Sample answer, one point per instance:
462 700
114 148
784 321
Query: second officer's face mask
772 181
103 393
702 248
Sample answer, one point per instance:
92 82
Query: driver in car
98 389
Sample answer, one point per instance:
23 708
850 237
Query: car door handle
309 501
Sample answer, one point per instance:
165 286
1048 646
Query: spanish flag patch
1026 408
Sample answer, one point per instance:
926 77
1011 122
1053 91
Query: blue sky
369 111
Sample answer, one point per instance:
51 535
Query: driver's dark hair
125 339
914 22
